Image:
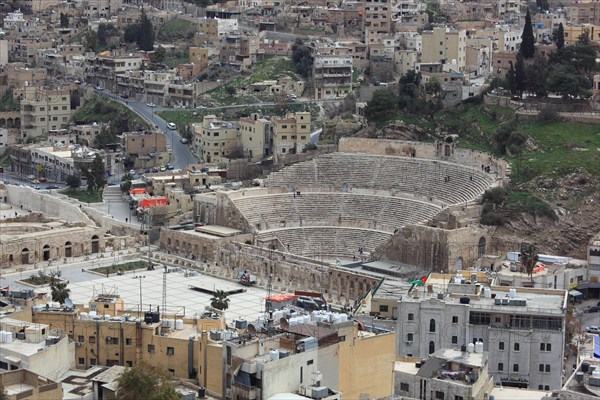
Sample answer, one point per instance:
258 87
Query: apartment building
447 374
442 45
377 18
291 133
103 69
255 135
19 75
109 333
333 354
146 149
584 12
26 385
97 9
332 76
573 32
216 140
216 27
43 110
522 329
199 56
509 10
238 50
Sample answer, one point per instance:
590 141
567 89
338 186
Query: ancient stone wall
61 207
435 249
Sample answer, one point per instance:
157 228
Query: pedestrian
21 206
126 220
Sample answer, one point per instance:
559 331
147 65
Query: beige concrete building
147 149
216 140
332 76
442 45
199 56
43 110
3 52
377 17
291 133
103 69
255 133
583 12
23 384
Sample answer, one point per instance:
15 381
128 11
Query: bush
548 114
492 219
308 147
495 195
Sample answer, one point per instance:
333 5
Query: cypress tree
560 37
146 38
527 49
520 75
511 80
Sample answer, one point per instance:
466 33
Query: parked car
593 309
201 107
170 166
184 140
151 104
52 187
132 172
592 329
163 168
42 179
172 126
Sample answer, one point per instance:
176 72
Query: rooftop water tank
487 293
84 316
274 354
179 324
479 347
512 293
242 323
470 348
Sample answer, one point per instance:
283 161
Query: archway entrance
458 264
46 252
68 249
95 244
481 247
25 256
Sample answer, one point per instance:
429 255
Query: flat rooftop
218 230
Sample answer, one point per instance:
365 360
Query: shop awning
575 293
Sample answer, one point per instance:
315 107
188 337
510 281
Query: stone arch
432 325
25 256
431 347
46 252
481 247
68 249
95 244
2 122
458 264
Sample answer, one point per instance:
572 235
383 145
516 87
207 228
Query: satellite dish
251 329
69 303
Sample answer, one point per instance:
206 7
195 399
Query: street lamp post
139 278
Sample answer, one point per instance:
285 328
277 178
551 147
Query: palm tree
529 257
220 300
59 291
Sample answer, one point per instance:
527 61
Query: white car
151 105
172 126
201 107
592 329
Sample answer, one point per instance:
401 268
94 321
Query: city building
447 374
446 46
377 18
146 149
216 140
522 330
332 76
291 133
255 133
43 110
22 384
102 70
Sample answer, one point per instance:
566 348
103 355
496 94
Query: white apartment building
522 329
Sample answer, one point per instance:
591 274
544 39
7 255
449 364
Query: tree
59 291
584 38
159 55
580 57
143 381
559 36
64 20
565 81
520 75
529 257
73 181
409 83
511 80
230 90
536 74
220 300
302 58
527 49
433 87
91 40
95 173
132 33
381 104
146 38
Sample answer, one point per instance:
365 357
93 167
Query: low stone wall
61 207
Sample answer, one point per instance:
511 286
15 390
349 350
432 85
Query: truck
246 278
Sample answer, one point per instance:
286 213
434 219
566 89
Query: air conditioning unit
409 342
79 344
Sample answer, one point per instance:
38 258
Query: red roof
153 202
137 191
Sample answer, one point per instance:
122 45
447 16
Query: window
541 368
545 346
112 340
431 347
515 367
477 318
500 366
92 339
383 308
411 317
547 367
439 395
457 397
517 347
128 341
151 349
455 319
92 361
501 346
80 339
454 339
129 363
170 351
432 325
310 362
81 360
409 337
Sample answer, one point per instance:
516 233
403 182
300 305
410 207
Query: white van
171 125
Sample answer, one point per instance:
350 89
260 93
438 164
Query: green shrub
495 195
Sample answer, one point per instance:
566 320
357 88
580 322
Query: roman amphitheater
313 222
